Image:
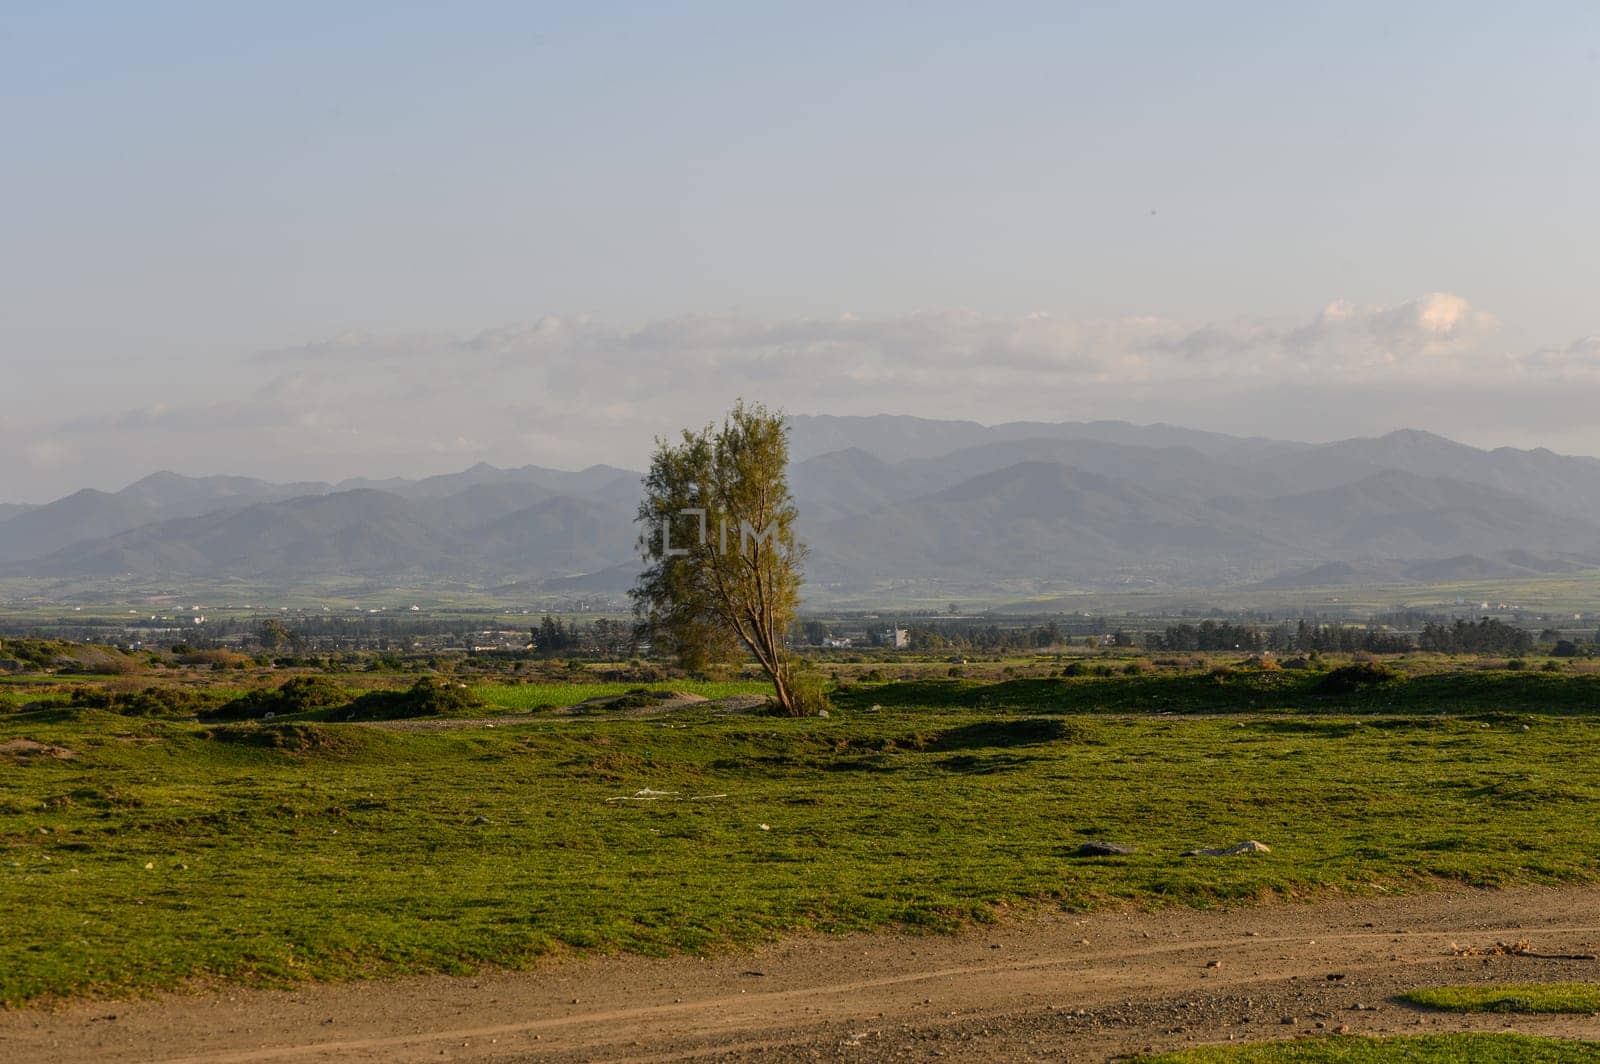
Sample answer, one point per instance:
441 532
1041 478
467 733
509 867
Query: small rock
149 866
1099 848
1213 964
480 820
1247 846
822 713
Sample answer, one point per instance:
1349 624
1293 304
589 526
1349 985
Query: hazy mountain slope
1172 470
169 491
1400 515
889 437
9 510
83 515
978 506
480 504
560 536
1329 574
1030 520
1559 482
896 438
554 481
850 481
624 489
361 532
1124 433
486 531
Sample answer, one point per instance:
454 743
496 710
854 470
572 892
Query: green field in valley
142 852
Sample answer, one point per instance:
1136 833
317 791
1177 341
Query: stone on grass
1100 848
1247 846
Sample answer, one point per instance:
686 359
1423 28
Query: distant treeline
1486 636
1440 635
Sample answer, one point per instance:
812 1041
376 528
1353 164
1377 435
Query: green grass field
1526 998
1426 1049
523 698
167 850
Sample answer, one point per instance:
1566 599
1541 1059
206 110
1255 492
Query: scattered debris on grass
645 794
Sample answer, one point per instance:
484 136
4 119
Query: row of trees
605 637
1487 636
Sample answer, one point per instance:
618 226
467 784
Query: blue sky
190 185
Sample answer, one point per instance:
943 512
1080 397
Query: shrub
291 738
810 694
217 659
428 697
1348 679
297 695
147 702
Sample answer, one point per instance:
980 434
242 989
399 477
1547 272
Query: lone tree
717 536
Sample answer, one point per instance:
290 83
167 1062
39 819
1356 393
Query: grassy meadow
141 852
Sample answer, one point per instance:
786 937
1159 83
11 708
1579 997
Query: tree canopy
723 566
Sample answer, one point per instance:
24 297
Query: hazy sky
318 240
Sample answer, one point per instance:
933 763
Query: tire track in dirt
1075 987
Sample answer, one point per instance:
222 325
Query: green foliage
428 697
810 694
292 738
523 698
43 655
1529 998
147 702
1348 679
297 695
321 849
735 578
1424 1049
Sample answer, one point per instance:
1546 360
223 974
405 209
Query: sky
312 241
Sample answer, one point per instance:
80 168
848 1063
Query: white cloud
571 390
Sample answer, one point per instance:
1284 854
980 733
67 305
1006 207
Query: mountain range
882 499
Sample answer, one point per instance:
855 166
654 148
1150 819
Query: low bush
1348 679
298 695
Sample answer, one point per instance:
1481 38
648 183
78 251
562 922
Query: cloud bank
572 390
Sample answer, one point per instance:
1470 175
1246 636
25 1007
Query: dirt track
1037 986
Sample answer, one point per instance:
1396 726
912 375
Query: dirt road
1036 986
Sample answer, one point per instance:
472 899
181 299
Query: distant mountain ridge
883 499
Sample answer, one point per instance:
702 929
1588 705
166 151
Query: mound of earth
28 750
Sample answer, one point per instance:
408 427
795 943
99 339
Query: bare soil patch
1040 985
28 750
